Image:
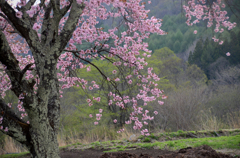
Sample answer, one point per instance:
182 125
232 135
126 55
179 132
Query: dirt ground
198 152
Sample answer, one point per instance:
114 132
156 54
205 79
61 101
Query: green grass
147 139
152 136
224 142
14 155
110 151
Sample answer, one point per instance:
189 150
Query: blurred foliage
225 101
207 52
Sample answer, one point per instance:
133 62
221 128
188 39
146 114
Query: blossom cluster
214 14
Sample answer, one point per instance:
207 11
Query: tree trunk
43 143
43 131
44 117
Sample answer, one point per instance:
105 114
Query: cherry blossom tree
38 51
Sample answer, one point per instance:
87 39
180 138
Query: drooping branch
113 83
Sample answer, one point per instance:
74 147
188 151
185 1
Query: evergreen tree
198 53
179 36
238 38
234 49
190 58
177 47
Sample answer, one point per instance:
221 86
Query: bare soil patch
198 152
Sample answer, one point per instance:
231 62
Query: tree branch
64 10
27 6
22 25
13 70
70 25
46 30
17 23
113 83
17 128
8 59
56 7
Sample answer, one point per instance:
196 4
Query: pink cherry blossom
214 14
19 14
115 121
164 97
88 68
36 26
130 82
6 129
228 54
114 71
117 79
161 102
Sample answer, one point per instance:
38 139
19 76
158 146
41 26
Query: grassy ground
222 139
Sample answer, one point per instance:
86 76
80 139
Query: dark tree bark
43 108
